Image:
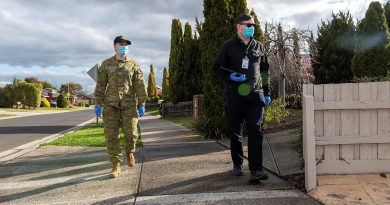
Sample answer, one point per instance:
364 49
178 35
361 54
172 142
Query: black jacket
231 55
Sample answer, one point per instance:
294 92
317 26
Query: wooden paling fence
180 109
346 129
153 105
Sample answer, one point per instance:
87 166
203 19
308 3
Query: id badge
245 62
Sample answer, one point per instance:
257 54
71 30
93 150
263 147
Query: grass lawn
5 115
153 112
183 121
88 136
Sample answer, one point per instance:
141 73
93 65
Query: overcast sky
59 41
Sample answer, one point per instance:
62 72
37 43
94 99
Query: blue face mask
248 32
123 50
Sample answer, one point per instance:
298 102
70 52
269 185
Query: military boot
130 160
116 170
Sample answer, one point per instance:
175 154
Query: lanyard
248 46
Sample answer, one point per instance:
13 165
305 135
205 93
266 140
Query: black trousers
247 109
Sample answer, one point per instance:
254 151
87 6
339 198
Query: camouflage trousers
115 118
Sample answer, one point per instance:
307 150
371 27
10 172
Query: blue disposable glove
267 100
98 111
237 77
141 110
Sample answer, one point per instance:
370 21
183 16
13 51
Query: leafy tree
335 46
16 81
283 49
46 84
152 89
62 102
32 80
165 84
175 61
371 57
74 88
29 94
6 96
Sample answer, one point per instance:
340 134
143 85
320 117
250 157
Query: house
85 99
159 90
72 99
51 95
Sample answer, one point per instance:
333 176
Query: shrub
206 127
62 102
294 101
45 103
4 99
29 94
372 79
275 112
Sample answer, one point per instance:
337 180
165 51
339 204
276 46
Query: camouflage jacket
120 83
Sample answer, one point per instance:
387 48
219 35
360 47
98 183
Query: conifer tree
371 57
387 12
335 46
237 7
216 29
165 84
152 89
258 32
188 63
197 72
175 61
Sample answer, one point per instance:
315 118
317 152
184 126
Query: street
18 131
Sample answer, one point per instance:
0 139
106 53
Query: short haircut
242 17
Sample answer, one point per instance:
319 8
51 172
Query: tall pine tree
387 12
152 89
237 7
165 84
335 46
372 40
197 75
175 61
216 29
188 63
258 32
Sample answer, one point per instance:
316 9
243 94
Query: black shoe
237 171
258 175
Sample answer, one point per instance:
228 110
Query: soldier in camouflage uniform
121 89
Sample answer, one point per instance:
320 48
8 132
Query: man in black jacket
242 65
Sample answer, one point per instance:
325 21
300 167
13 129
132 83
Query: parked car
53 103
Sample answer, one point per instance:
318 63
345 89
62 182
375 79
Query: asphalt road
18 131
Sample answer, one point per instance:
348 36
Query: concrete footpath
173 167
